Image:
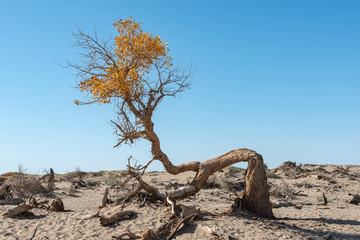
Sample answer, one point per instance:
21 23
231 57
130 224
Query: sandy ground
299 188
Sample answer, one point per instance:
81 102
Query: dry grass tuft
23 187
282 191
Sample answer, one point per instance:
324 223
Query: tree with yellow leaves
134 70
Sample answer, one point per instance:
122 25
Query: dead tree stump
51 181
105 198
57 205
256 197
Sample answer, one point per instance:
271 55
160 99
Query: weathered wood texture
116 217
105 198
256 197
17 210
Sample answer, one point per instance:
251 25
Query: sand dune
298 190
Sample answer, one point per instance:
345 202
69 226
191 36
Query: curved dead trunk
256 197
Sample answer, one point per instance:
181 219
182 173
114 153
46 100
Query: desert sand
309 202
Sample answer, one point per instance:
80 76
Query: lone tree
134 70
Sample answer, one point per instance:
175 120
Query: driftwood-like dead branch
123 200
325 200
172 203
127 235
104 221
105 198
50 180
169 228
17 210
136 172
152 190
39 203
176 225
33 235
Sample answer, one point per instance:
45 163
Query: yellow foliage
135 53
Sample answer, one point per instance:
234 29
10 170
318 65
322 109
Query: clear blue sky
280 77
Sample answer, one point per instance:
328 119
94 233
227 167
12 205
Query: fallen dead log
39 203
104 221
17 210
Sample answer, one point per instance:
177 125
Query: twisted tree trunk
256 198
256 195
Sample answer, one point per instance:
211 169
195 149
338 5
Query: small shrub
212 182
22 186
76 174
112 180
234 169
282 190
272 175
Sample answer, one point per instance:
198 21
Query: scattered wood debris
323 199
179 216
353 199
